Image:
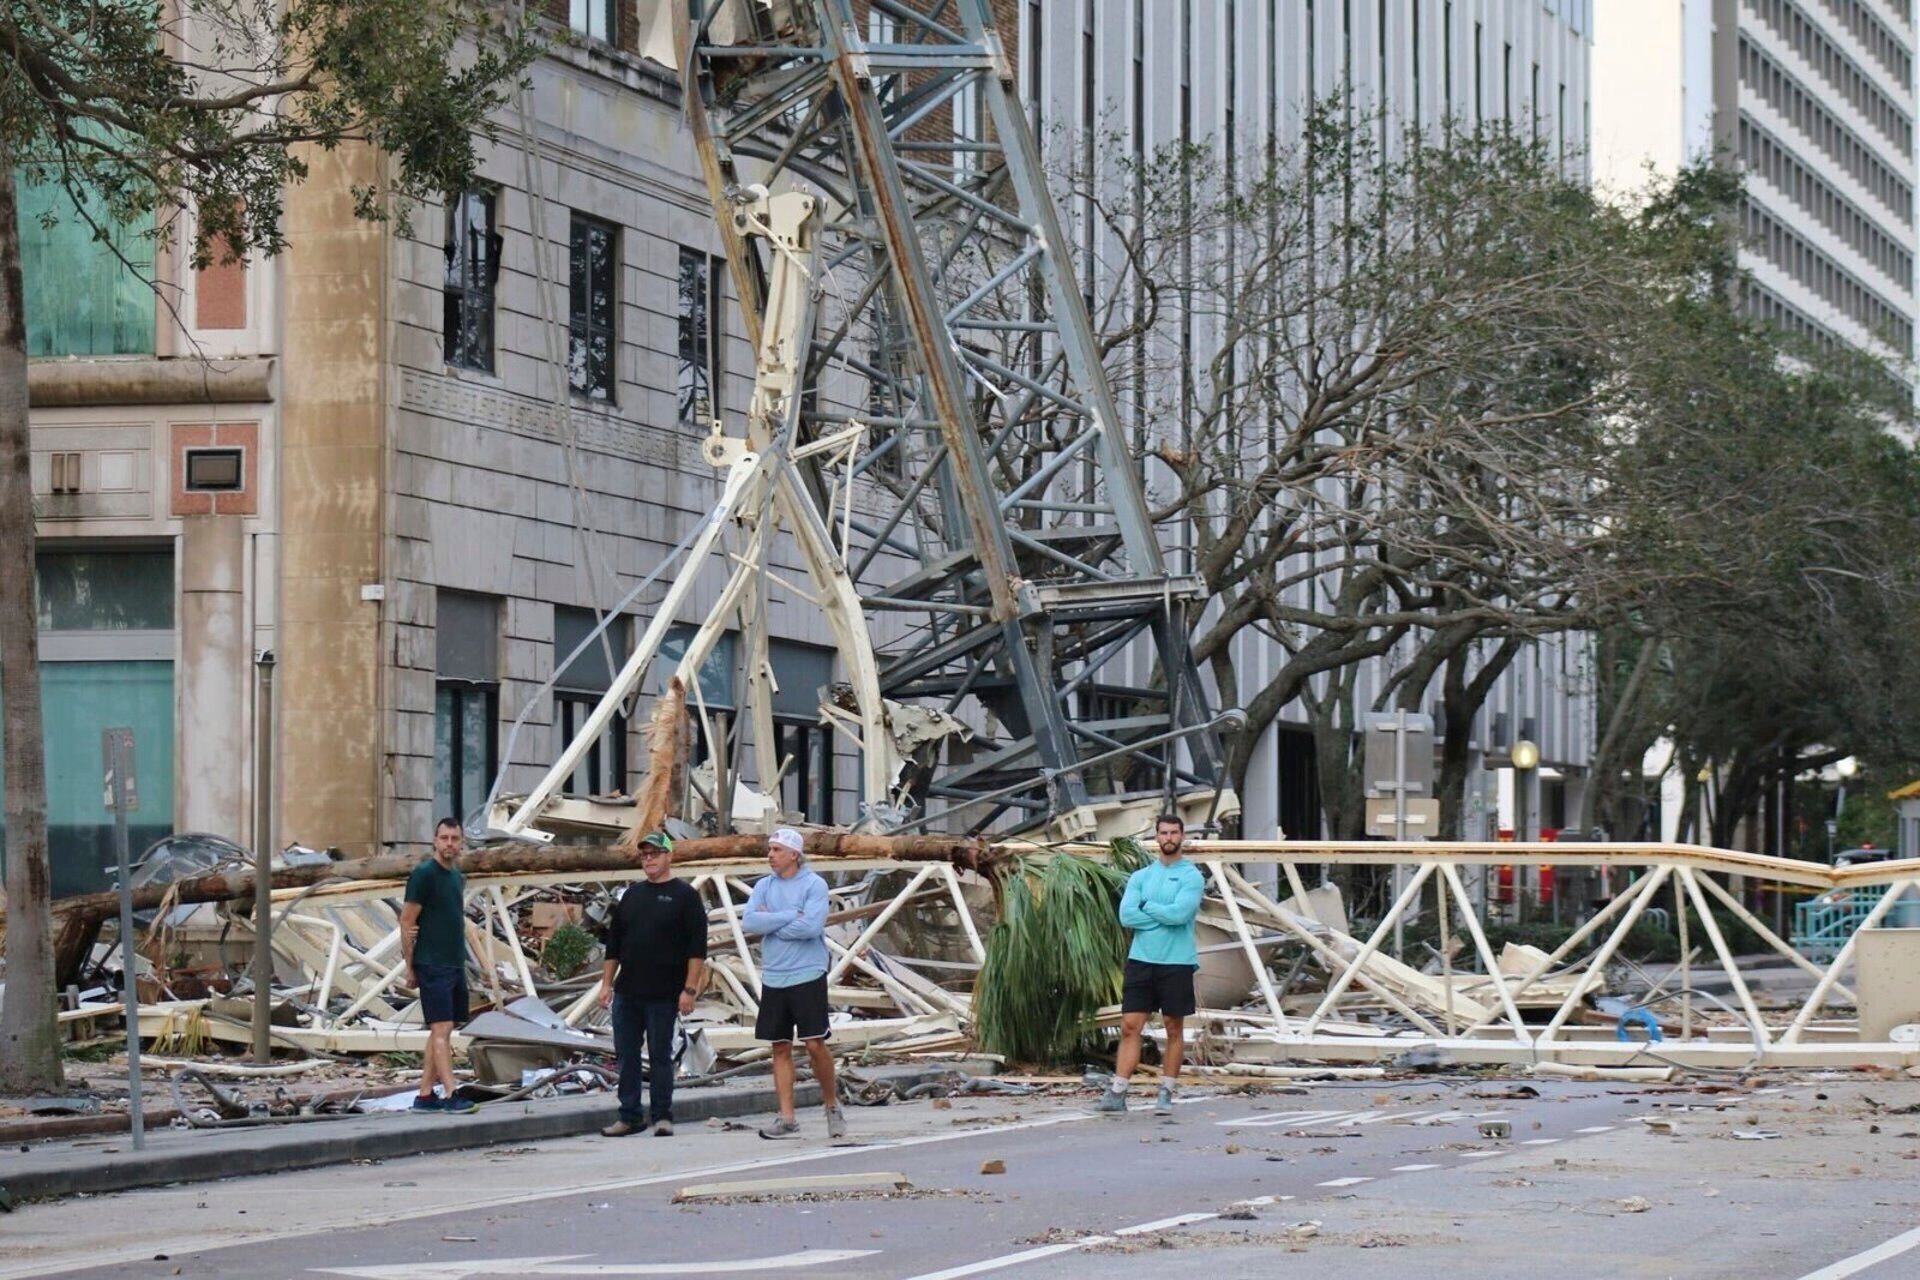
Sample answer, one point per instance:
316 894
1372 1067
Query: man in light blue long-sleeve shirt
788 911
1159 905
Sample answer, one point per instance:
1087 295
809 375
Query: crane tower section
1003 551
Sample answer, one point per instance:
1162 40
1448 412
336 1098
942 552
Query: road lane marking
198 1243
1165 1224
1343 1182
1259 1201
1050 1250
1871 1257
1597 1128
567 1265
1414 1168
1480 1155
1539 1142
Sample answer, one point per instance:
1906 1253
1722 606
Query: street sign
1399 753
1423 818
122 739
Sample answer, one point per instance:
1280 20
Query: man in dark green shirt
433 937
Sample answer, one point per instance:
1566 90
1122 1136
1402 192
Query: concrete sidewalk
109 1163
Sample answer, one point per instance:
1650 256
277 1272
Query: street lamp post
1525 758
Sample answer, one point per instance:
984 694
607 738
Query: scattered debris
993 1166
815 1185
1633 1204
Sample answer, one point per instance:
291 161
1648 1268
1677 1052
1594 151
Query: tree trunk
29 1033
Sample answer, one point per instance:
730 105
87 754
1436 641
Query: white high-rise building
1814 99
1140 74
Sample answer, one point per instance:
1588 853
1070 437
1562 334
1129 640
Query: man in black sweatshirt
656 964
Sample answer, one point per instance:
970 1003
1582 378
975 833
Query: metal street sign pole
262 968
116 749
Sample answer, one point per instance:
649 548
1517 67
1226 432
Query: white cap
788 838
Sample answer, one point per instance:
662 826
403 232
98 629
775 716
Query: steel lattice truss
1013 546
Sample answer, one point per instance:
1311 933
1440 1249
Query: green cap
659 840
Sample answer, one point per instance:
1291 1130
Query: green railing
1822 925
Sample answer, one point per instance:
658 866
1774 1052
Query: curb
248 1152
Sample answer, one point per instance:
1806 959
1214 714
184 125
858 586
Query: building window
590 336
595 18
699 379
216 470
106 620
577 690
802 745
466 704
84 297
473 265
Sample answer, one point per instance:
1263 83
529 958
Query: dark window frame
699 347
592 311
473 271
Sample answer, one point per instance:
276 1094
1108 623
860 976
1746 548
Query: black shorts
1166 989
443 992
793 1013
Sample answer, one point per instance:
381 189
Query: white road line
1260 1201
1343 1182
569 1265
1480 1155
1284 1117
1382 1117
199 1243
1861 1261
1165 1224
1047 1251
1539 1142
1597 1128
1414 1168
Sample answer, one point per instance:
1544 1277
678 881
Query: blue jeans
651 1021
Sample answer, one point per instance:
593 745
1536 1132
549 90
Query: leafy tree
1378 378
1765 580
200 114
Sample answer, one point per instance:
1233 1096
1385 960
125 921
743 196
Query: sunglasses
654 851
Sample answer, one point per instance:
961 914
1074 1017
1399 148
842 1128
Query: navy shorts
1163 988
443 992
793 1013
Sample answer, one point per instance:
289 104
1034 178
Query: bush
567 950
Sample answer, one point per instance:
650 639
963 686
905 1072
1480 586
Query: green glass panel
81 298
105 590
78 701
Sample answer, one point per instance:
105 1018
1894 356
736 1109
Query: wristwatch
689 991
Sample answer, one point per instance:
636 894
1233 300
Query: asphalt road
1367 1180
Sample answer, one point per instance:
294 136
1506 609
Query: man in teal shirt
1160 903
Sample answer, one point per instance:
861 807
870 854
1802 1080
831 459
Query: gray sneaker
1111 1102
1163 1105
781 1129
836 1123
663 1128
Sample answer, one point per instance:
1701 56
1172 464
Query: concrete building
1138 74
1814 99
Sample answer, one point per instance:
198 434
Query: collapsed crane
933 429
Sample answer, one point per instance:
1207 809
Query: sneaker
663 1128
428 1102
1111 1102
457 1106
781 1129
619 1129
1163 1105
836 1123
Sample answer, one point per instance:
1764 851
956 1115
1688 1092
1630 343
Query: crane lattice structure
932 424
